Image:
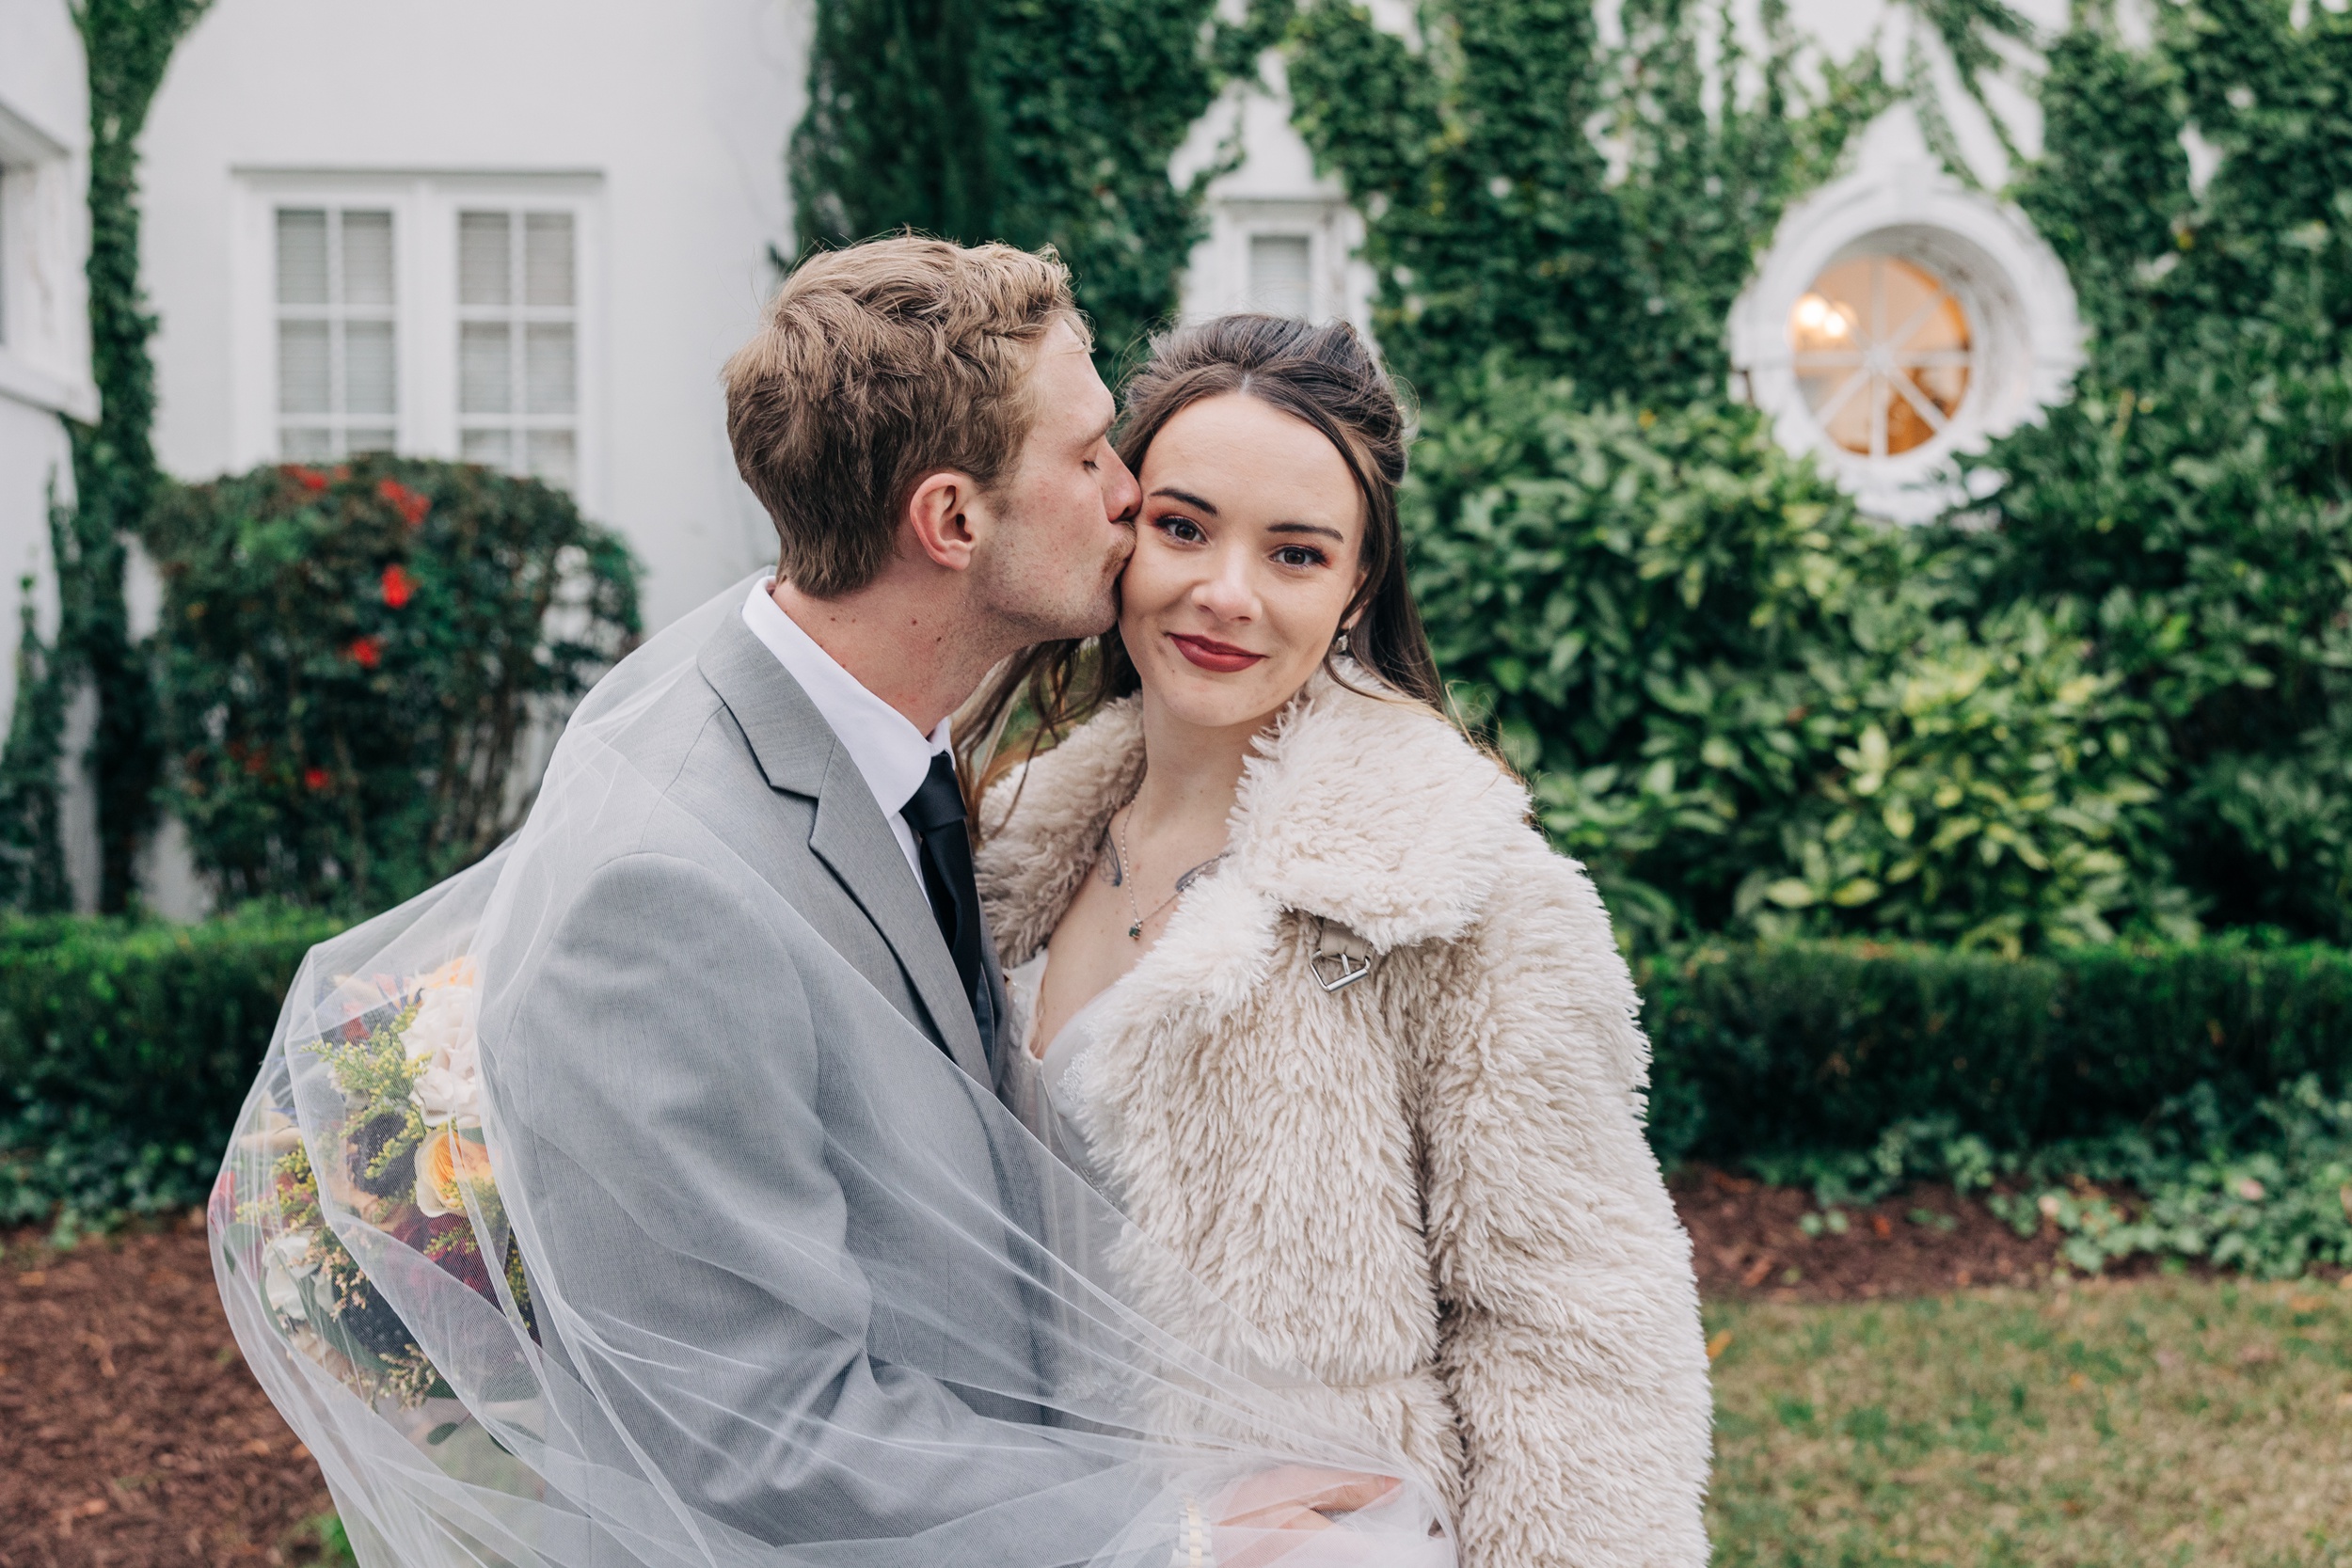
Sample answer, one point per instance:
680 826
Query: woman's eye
1298 555
1182 530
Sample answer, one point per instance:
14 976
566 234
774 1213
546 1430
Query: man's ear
939 518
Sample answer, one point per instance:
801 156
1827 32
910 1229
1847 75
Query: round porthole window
1882 351
1898 322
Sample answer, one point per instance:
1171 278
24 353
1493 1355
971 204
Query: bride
1298 987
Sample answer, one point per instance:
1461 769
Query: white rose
449 1091
285 1262
441 1022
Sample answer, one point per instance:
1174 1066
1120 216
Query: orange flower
399 586
443 1161
366 651
309 479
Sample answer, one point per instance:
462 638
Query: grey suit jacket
740 1157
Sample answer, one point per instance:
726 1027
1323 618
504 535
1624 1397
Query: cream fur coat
1431 1189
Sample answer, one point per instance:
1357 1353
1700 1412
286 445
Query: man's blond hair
874 367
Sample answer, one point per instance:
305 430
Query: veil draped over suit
555 1250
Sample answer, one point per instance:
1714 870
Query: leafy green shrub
1751 709
1495 219
126 1049
2191 507
1782 1050
2267 1190
352 661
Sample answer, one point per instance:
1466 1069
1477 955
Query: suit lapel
798 753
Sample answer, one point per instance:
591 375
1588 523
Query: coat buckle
1341 957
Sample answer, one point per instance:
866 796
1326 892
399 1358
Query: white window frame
2023 329
339 316
424 205
45 334
519 316
1219 279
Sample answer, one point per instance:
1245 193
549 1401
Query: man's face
1062 523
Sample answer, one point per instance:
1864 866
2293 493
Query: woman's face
1247 550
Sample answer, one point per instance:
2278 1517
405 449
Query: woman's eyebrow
1187 497
1332 533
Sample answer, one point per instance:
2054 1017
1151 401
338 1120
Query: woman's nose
1226 592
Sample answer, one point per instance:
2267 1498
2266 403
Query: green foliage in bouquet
2192 506
126 1049
354 661
1748 709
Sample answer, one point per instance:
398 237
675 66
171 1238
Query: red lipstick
1209 654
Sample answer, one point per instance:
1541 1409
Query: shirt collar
891 755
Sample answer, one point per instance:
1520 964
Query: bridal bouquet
406 1158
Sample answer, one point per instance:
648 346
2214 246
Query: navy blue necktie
936 814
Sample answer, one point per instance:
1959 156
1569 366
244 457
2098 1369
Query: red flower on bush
410 505
309 479
399 586
366 651
315 778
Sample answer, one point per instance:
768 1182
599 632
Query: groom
772 1235
715 1064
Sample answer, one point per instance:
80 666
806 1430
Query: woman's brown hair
1326 375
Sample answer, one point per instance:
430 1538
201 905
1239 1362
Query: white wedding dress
1046 1088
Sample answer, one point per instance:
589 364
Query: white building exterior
44 328
528 233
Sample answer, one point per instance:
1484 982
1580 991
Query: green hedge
1761 1051
126 1049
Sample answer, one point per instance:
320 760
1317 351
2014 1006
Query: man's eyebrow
1190 499
1332 533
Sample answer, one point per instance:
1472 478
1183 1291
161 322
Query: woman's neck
1193 772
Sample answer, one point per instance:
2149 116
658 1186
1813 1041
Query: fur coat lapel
1370 812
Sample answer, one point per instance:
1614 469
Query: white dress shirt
891 755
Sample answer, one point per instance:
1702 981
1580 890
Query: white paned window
338 366
1281 275
519 342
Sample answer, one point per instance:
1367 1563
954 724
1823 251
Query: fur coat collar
1370 812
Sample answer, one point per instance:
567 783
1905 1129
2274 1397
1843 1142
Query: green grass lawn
2142 1425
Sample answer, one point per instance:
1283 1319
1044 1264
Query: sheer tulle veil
388 1277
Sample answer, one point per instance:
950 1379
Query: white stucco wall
44 327
675 118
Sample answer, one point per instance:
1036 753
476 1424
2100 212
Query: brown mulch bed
132 1434
1746 1239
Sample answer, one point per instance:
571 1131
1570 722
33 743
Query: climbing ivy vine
127 43
1591 211
1033 122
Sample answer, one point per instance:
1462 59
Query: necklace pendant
1134 932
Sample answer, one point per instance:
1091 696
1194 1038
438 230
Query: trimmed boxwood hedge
126 1048
1823 1046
